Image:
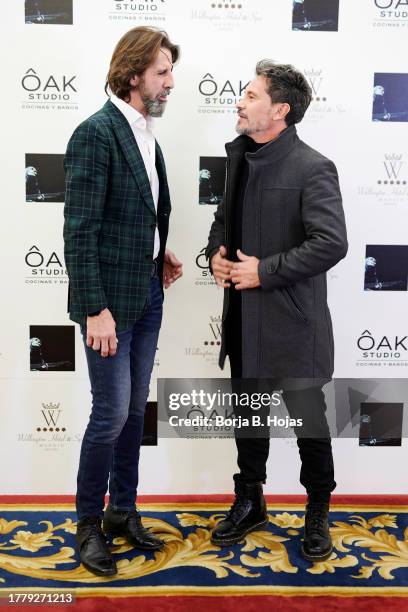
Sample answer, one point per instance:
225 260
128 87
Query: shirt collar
134 118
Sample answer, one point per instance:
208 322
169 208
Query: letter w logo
315 83
393 168
216 330
51 416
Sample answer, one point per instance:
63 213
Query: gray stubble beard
154 108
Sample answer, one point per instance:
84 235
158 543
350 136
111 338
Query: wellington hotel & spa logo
323 104
49 429
208 348
228 15
389 184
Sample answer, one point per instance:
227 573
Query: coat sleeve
326 238
216 237
86 167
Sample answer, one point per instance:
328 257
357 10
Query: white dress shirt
142 130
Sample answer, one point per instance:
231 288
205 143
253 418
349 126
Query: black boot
93 548
247 513
317 544
128 525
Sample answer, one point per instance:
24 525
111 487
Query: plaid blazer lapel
164 200
131 152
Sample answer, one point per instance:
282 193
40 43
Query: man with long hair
117 212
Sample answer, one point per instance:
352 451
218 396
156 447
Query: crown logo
393 157
313 72
50 406
216 319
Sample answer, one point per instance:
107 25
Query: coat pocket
294 304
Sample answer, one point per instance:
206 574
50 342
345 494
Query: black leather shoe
247 513
128 525
317 544
93 548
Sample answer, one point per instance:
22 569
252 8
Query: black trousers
317 471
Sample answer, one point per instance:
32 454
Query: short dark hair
286 84
135 51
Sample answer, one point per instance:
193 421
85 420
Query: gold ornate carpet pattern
37 551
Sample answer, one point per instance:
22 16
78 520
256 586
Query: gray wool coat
293 221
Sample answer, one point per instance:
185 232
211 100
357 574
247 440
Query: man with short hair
279 228
117 212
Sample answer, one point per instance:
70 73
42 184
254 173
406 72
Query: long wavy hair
135 51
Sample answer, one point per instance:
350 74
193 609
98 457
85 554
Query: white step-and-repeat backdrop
55 58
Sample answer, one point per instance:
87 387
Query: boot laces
134 517
95 530
239 504
316 518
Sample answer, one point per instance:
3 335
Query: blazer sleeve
86 167
326 237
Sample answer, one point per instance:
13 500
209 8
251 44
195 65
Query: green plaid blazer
110 219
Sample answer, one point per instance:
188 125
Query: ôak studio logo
44 268
390 13
57 92
201 261
219 96
386 351
204 277
140 10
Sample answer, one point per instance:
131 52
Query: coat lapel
164 198
131 152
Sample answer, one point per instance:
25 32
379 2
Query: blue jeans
120 389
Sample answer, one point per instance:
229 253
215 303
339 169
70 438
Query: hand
221 267
244 274
101 333
172 269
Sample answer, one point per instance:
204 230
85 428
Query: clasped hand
243 274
